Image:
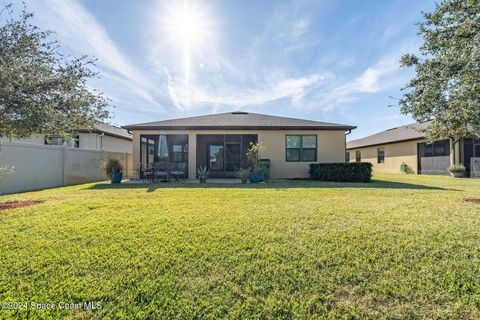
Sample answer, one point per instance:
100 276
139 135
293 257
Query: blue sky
326 60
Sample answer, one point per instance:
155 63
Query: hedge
341 172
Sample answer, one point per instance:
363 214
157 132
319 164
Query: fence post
64 165
104 158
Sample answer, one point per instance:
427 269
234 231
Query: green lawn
403 246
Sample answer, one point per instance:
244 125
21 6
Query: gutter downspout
346 134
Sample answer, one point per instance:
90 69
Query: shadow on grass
280 184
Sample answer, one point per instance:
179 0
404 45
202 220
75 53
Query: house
387 150
101 137
220 142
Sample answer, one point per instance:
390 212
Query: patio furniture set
163 171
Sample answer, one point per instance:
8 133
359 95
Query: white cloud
78 30
381 76
196 96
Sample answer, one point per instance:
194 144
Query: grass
403 246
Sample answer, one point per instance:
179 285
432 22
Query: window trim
383 154
301 148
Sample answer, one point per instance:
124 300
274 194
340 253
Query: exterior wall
103 142
116 144
88 141
396 154
330 148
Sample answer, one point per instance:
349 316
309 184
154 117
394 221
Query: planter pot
256 176
203 179
117 178
457 174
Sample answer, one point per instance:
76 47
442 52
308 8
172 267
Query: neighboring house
387 151
220 142
101 137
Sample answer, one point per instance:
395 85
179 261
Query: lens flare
188 27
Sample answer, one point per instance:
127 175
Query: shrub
457 168
342 172
253 155
112 166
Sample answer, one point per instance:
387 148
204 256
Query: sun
188 27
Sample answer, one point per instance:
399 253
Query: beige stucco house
101 137
220 142
387 150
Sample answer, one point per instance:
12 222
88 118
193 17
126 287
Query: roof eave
105 133
342 128
383 143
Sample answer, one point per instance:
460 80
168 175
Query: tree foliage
42 91
446 86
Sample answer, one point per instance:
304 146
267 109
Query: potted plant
114 170
243 174
457 170
202 173
256 175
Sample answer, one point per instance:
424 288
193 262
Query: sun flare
188 27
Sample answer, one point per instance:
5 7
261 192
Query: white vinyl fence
44 166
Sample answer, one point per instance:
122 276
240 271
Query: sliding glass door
215 157
224 157
223 153
232 156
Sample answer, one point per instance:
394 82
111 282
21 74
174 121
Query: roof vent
239 112
392 129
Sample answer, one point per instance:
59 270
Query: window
380 155
301 148
179 152
62 141
358 156
347 156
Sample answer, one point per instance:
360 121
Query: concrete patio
212 180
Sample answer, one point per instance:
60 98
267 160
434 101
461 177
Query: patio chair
147 173
160 171
180 171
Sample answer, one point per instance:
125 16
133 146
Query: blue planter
117 177
256 176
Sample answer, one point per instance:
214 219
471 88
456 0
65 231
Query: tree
446 86
42 91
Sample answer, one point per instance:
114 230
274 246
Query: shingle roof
238 120
109 130
412 131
